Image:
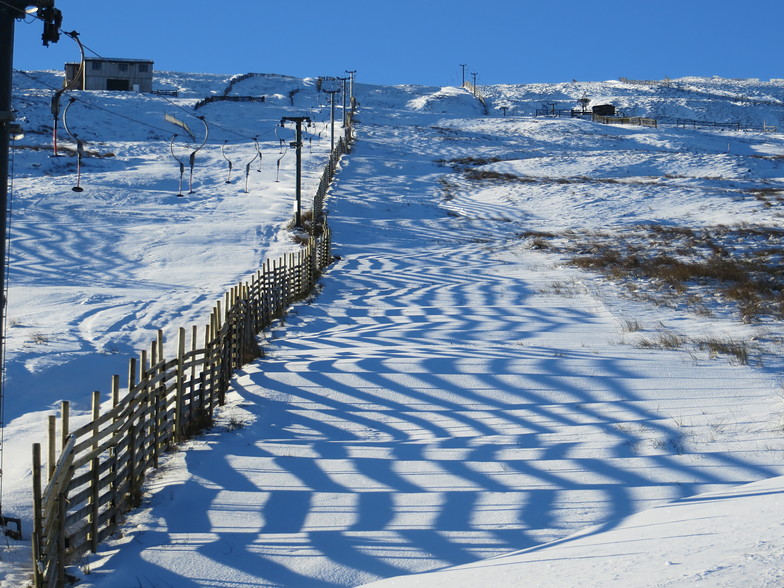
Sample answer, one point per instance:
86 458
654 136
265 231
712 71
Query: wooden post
179 386
132 374
115 391
52 436
62 512
37 518
192 384
96 416
160 395
94 469
65 416
207 367
95 491
153 420
132 465
114 503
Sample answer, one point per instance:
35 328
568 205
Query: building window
123 66
144 68
97 65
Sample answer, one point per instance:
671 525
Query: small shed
603 110
110 74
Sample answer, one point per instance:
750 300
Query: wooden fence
626 120
101 466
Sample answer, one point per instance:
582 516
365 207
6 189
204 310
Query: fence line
626 120
100 470
474 89
733 126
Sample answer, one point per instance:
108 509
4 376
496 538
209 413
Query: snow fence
101 466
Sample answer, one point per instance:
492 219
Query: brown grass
741 264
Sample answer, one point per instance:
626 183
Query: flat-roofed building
110 74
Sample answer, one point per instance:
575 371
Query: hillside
461 388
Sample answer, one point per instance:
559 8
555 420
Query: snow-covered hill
436 304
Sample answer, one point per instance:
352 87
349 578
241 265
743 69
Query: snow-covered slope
456 392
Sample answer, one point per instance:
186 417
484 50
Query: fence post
37 522
52 435
94 470
192 382
65 424
178 403
115 390
62 511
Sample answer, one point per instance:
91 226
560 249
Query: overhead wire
87 103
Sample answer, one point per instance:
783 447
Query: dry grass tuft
741 265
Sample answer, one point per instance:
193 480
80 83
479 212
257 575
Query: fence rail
733 126
101 466
626 120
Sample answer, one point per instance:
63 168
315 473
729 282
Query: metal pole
463 65
11 10
298 120
7 16
351 85
474 74
332 119
345 112
298 191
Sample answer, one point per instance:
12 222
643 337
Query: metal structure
351 73
10 11
331 87
58 94
345 98
192 157
297 144
79 148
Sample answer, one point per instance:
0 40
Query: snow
452 394
730 538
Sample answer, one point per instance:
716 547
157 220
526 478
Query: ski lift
247 165
277 164
182 165
281 140
223 152
191 158
55 106
258 151
79 148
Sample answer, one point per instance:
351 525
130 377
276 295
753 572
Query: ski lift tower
331 86
10 12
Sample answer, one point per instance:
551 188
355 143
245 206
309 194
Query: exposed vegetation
739 265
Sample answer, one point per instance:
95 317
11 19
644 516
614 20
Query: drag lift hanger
247 165
277 164
231 165
56 98
192 157
258 151
79 147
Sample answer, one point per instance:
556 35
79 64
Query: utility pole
463 65
474 74
345 97
351 73
297 144
330 86
10 11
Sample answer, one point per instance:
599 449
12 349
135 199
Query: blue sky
424 41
